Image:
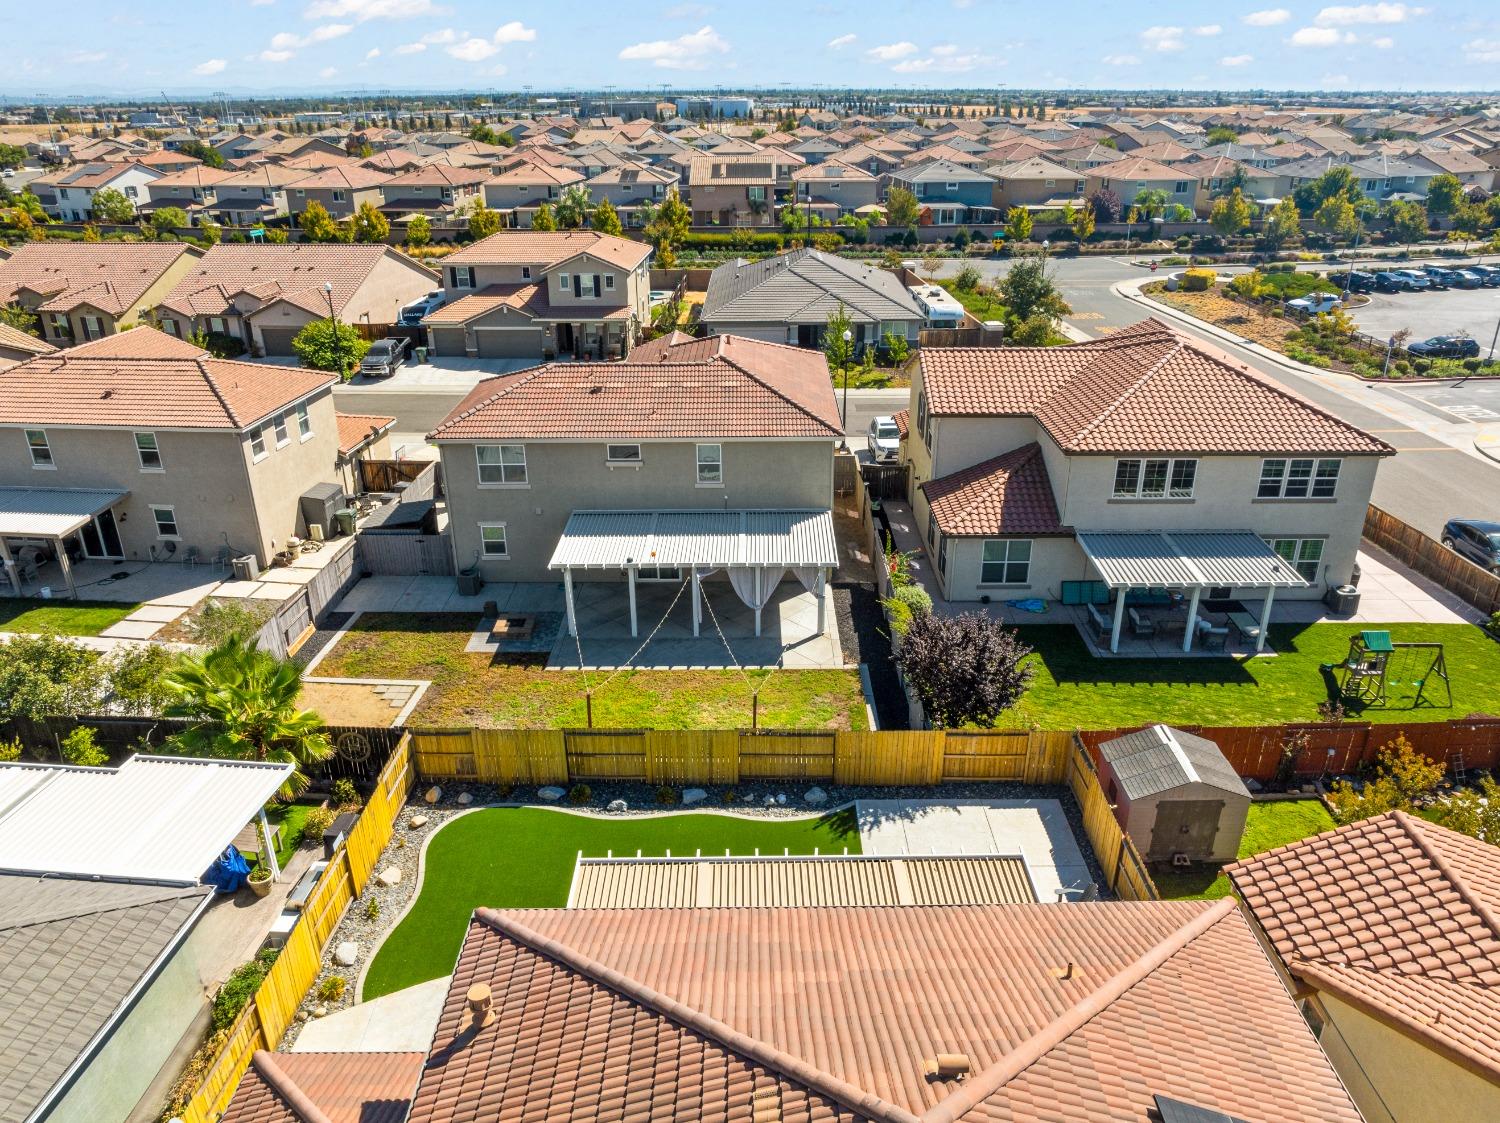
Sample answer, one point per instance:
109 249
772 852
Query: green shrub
667 796
331 989
78 748
345 795
1198 280
372 909
899 614
239 988
219 620
318 820
579 794
915 598
10 750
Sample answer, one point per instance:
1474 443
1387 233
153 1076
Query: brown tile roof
338 1087
535 171
902 418
1397 916
350 176
269 176
14 339
146 378
1068 1012
199 175
1146 388
355 429
722 386
437 175
110 276
530 298
549 248
1009 494
295 272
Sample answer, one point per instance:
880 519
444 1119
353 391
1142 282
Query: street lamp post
844 409
333 326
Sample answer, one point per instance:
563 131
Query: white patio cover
1187 559
709 539
51 512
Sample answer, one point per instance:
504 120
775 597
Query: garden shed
1175 794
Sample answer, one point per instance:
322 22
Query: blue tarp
228 873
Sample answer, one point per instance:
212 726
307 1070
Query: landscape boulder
433 794
617 805
389 876
550 794
815 796
693 795
346 954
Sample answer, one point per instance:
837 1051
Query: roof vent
481 1011
946 1066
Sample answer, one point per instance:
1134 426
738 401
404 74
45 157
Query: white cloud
890 52
1121 60
328 72
1318 37
1347 15
1268 17
686 52
87 58
210 66
1207 29
514 32
1482 50
275 56
410 49
1334 80
945 60
842 41
1236 60
363 10
373 52
285 42
443 37
1384 43
473 50
1162 39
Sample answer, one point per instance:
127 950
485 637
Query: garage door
278 341
447 341
505 344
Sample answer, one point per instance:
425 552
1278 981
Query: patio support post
8 564
1114 631
270 848
630 581
1192 620
697 606
67 567
821 587
1265 620
568 601
759 571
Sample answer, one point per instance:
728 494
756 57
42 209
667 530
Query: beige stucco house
342 190
542 295
170 452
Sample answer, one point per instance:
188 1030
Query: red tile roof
1397 916
339 1087
549 248
1068 1013
294 272
1146 388
1009 494
902 418
530 298
14 339
145 378
110 276
355 429
721 386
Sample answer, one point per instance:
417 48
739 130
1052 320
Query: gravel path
321 638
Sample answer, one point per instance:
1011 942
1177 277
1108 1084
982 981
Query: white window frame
304 422
614 459
1006 562
1171 490
258 450
463 276
1320 481
46 462
715 478
506 471
525 272
609 280
338 195
156 513
564 282
659 574
142 451
278 426
1295 552
485 553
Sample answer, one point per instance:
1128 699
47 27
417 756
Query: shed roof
1159 758
341 1087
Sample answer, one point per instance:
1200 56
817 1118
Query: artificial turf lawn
475 690
1268 826
61 618
1075 690
522 857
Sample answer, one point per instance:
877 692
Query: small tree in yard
18 317
1402 777
1445 194
839 351
317 223
418 231
1018 224
1082 222
1105 204
168 220
1027 290
370 225
902 208
544 219
965 670
110 205
328 346
606 220
1408 220
969 278
1283 224
1337 218
1230 214
483 222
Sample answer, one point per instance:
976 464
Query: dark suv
1475 539
1353 281
1445 347
1393 282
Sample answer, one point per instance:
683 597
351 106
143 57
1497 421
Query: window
922 420
492 542
1298 479
304 422
1305 555
93 327
41 451
525 272
1155 479
609 280
710 465
216 325
501 464
562 281
622 454
463 276
279 424
755 194
258 442
1007 561
166 521
942 554
59 324
658 573
1179 187
338 196
131 192
148 452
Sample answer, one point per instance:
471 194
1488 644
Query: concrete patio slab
1037 829
131 628
410 594
401 1022
160 613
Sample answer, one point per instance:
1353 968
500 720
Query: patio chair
191 556
1213 638
222 557
1101 624
1141 625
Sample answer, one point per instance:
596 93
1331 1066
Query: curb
1487 443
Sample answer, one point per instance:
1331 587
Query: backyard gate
885 481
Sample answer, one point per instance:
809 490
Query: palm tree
245 703
573 207
1150 202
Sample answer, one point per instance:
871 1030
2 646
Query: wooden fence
384 475
297 617
1433 560
960 337
1124 870
695 756
269 1013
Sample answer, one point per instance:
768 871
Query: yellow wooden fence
267 1015
1124 870
725 756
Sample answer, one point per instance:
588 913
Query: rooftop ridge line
295 1098
1482 910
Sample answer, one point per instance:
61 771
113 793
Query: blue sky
345 45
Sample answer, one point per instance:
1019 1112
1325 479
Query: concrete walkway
1037 829
401 1022
440 594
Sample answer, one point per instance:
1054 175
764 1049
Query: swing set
1375 663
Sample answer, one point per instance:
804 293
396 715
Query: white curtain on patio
808 575
756 595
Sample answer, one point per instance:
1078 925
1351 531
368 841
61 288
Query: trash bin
343 518
1342 600
420 353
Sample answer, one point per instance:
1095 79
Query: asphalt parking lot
1472 312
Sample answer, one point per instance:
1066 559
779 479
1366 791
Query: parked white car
1316 302
883 438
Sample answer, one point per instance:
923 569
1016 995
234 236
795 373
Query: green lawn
1075 690
61 618
523 858
290 818
469 689
976 302
1269 825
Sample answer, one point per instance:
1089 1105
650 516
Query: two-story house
76 187
1036 183
193 190
522 189
1129 177
691 457
949 195
542 295
169 449
631 189
736 190
1146 460
253 194
433 191
341 189
85 290
834 188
